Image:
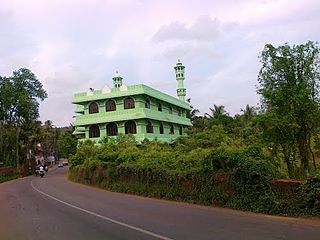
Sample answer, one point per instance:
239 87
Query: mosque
140 110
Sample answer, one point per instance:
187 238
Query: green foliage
67 144
221 160
108 152
85 152
7 178
191 162
252 181
18 97
237 177
309 197
289 87
19 109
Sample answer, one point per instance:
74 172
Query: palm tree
249 112
216 112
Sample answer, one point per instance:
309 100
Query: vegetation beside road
7 178
237 179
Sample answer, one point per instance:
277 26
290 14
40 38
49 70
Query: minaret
181 91
117 80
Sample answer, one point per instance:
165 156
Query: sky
72 45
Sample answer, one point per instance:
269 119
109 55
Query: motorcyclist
41 171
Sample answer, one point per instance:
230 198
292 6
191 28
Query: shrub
252 181
86 150
308 201
8 178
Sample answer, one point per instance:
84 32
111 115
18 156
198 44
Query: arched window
180 130
112 129
130 127
160 107
129 103
149 127
110 106
161 128
171 131
94 131
93 108
147 103
170 109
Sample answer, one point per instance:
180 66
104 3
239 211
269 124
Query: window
161 128
93 108
160 107
112 129
129 103
110 106
188 115
147 103
94 131
171 131
179 112
149 127
180 130
130 127
170 109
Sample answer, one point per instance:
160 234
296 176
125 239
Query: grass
7 178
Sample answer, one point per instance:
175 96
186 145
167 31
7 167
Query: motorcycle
41 173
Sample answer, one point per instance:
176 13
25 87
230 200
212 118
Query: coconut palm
216 112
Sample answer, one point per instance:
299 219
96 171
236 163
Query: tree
48 139
216 112
249 112
19 107
67 144
289 88
219 116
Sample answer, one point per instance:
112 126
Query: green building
138 109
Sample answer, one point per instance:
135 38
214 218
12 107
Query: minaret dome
117 80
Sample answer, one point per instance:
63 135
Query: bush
252 181
308 201
226 175
221 160
8 178
86 150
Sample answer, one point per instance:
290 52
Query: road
55 208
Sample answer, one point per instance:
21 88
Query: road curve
54 208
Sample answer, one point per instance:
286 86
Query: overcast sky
72 45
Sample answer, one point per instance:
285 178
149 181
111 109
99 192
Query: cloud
190 51
204 29
60 87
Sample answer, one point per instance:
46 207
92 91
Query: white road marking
103 217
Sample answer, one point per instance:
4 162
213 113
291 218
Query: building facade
139 110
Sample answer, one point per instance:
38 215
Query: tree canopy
19 109
289 89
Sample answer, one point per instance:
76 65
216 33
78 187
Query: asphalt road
54 208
